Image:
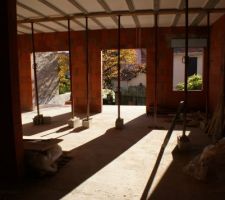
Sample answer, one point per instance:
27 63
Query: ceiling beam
38 13
209 5
108 10
60 12
156 5
131 7
29 28
83 10
124 13
38 23
177 16
21 32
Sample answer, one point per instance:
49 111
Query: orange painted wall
217 48
107 39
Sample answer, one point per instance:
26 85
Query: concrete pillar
11 146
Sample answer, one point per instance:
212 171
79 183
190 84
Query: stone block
119 123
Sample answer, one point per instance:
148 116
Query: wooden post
35 69
208 67
70 68
87 69
118 68
186 69
156 69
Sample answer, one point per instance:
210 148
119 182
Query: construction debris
211 162
41 155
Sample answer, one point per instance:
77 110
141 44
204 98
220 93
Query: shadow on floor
175 184
87 160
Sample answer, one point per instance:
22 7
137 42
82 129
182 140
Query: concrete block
119 123
183 143
74 122
38 120
86 123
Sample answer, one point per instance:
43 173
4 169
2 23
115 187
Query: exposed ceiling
28 10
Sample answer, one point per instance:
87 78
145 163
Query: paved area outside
116 164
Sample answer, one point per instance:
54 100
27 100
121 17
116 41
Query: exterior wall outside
51 42
139 79
178 67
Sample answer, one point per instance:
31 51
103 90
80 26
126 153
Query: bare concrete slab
107 163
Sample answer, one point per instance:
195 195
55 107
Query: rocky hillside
47 75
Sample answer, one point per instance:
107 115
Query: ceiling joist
38 13
122 13
84 11
108 10
178 15
209 5
131 7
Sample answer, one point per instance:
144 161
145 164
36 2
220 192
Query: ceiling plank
177 16
131 7
123 13
201 16
60 12
38 13
108 10
83 10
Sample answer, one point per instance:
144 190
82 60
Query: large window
194 70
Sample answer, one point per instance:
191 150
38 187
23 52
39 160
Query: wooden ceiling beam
84 11
131 7
209 5
108 11
123 13
39 13
178 15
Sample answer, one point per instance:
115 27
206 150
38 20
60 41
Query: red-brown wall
107 39
217 48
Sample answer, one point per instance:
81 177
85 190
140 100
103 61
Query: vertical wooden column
119 120
11 146
208 67
35 69
70 68
87 69
186 68
118 67
156 68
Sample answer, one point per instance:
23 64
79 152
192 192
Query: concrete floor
116 164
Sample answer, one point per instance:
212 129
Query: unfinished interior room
112 99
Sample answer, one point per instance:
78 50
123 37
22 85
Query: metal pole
118 63
35 68
156 68
208 67
87 69
70 68
186 69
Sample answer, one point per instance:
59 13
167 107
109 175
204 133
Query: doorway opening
132 76
53 78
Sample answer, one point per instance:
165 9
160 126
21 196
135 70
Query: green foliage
63 74
128 57
108 96
194 83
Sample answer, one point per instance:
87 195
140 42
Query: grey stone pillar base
86 123
74 122
119 123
